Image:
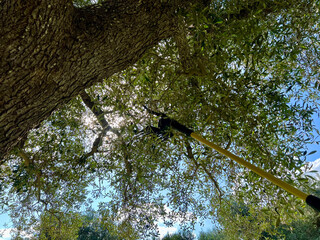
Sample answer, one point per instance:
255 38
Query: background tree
212 235
181 235
92 225
244 74
58 226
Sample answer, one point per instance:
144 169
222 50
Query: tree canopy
76 79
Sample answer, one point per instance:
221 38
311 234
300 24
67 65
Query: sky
314 147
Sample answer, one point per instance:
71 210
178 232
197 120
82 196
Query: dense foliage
244 74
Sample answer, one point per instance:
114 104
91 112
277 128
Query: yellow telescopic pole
311 200
255 169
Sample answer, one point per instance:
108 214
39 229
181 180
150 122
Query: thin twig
191 157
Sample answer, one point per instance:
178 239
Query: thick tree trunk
50 51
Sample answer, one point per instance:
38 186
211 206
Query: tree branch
191 157
183 46
99 114
25 157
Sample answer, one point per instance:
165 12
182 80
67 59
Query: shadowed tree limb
99 114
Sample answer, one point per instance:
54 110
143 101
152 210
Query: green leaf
312 152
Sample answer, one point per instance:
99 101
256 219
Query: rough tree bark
50 51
